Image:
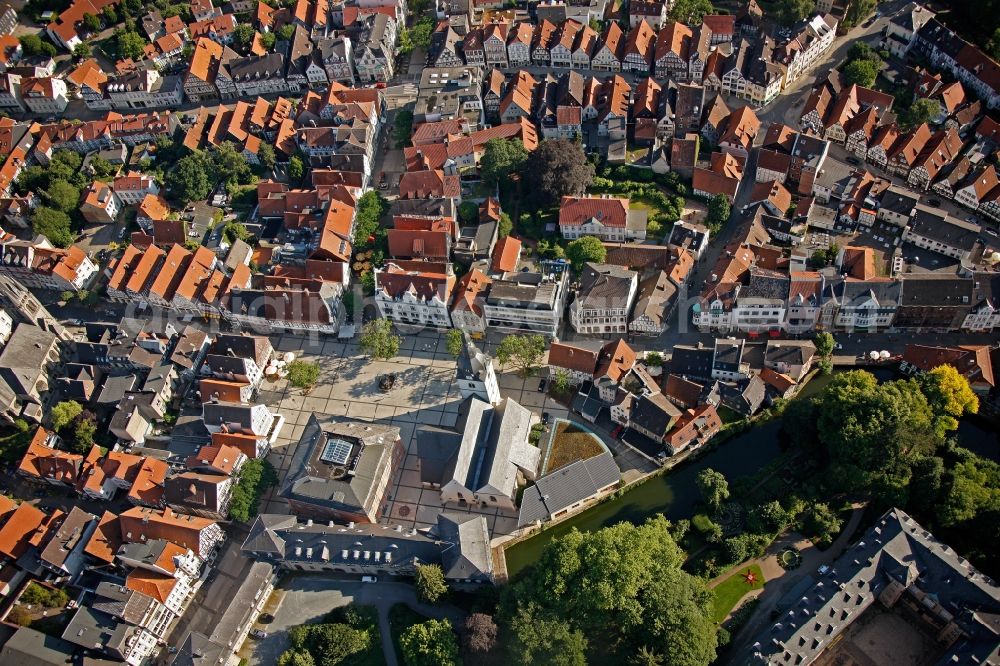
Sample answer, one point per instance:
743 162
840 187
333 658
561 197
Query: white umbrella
270 370
873 355
884 355
289 357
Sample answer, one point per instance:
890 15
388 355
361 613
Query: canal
675 493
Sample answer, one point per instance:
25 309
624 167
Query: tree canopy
557 168
691 12
430 643
793 11
188 179
713 487
63 413
949 395
255 476
455 341
430 583
502 158
303 374
378 340
62 196
718 212
861 72
524 352
53 224
585 249
624 584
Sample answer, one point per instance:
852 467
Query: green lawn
401 618
729 592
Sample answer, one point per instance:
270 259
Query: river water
675 493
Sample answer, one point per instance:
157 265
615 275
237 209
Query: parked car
369 579
542 384
258 633
545 418
853 160
934 202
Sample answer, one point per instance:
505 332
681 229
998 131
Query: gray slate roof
896 550
566 486
604 286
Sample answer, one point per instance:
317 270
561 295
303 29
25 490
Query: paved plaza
425 393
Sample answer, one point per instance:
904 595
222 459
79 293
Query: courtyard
425 392
881 637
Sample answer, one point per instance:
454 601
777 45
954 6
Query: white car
193 233
369 579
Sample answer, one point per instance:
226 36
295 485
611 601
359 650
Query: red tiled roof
571 357
609 211
505 255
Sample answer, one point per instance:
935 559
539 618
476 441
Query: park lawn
729 592
401 618
571 444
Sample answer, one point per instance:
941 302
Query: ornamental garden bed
570 443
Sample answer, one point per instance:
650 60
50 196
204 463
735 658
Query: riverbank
673 491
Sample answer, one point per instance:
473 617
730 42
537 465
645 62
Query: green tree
540 640
822 523
102 169
33 45
403 127
824 344
505 227
654 359
861 72
502 158
296 658
713 487
455 341
524 352
53 224
230 165
62 196
31 179
303 374
110 15
968 493
64 413
130 44
81 51
585 249
925 485
188 180
857 11
993 46
430 643
719 210
691 11
644 656
622 583
255 477
296 169
793 11
243 35
468 212
91 22
329 644
922 111
368 219
285 32
430 583
378 341
949 395
84 431
773 515
268 41
266 155
557 168
560 382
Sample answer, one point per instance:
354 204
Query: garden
729 592
570 443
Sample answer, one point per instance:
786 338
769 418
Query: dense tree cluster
862 66
557 168
255 476
431 643
585 249
890 442
609 594
378 341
